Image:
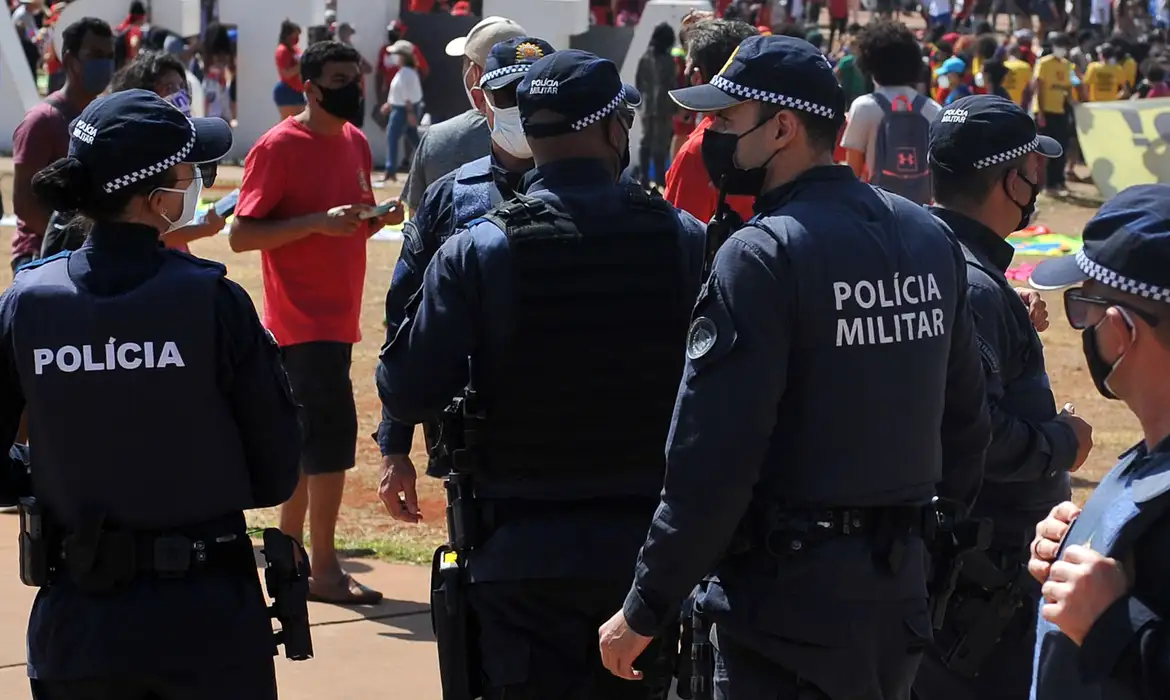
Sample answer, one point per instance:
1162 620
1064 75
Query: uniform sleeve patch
701 337
990 358
411 238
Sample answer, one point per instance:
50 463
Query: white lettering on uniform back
900 326
112 356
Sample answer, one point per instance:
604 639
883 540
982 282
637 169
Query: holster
38 543
702 686
953 535
451 621
684 669
982 611
286 576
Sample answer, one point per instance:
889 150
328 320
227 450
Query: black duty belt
791 530
497 512
126 554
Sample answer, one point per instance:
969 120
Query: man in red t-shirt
710 44
43 134
303 203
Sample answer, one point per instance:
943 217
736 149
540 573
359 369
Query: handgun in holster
951 535
702 654
451 618
286 576
37 541
983 615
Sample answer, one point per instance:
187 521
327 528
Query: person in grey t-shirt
464 138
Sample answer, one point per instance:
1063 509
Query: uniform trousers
251 682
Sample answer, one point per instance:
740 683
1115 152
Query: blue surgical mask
96 74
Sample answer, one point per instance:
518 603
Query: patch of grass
362 538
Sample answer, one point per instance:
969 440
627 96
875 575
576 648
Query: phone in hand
381 210
227 204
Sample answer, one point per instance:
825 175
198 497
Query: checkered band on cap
1119 281
764 96
127 180
506 70
1008 155
601 113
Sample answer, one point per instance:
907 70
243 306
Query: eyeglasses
627 116
1083 310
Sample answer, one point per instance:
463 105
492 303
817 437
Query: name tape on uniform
113 355
881 329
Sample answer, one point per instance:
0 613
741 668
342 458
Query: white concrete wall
258 22
369 18
18 90
180 16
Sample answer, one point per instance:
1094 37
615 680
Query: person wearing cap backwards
466 137
986 160
124 484
571 301
835 294
451 202
1104 572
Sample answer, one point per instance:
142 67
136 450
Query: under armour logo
908 160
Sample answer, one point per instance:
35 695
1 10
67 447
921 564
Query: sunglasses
1084 311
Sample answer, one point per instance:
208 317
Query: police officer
985 162
450 202
1106 577
832 380
159 412
572 303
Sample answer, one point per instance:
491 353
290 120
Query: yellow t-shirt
1054 84
1129 71
1019 74
1103 81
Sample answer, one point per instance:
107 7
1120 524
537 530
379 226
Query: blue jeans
397 128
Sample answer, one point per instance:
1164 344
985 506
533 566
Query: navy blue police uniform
1124 656
833 377
450 202
571 302
158 411
985 647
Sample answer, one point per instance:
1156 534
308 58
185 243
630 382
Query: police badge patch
701 337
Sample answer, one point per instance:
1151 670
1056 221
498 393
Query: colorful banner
1125 142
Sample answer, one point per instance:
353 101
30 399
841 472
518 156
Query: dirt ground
364 525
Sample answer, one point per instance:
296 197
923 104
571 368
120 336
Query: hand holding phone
382 209
226 206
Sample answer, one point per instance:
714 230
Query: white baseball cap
479 41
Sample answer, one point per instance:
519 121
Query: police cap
580 87
509 60
131 135
780 70
981 131
1126 246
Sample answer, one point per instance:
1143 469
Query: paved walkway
383 651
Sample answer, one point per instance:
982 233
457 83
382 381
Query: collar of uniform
572 172
506 180
123 236
977 236
774 198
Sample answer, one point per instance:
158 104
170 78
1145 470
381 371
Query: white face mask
944 81
507 132
466 89
980 81
1112 61
191 197
1059 52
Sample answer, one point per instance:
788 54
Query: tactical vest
1124 504
126 414
473 193
588 383
875 290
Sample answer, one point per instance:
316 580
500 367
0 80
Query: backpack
900 163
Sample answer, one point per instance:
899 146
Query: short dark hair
137 8
315 57
995 70
711 42
889 53
822 132
74 34
662 38
1156 73
145 70
986 46
972 187
1106 52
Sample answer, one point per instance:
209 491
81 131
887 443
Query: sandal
344 591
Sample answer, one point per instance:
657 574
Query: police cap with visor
982 131
780 70
129 136
570 90
509 60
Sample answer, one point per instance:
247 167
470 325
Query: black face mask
344 102
1028 211
719 159
1099 369
623 154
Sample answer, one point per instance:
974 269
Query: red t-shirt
838 9
312 287
287 58
688 186
41 138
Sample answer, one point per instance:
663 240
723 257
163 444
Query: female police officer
158 411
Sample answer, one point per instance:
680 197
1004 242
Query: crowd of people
580 321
